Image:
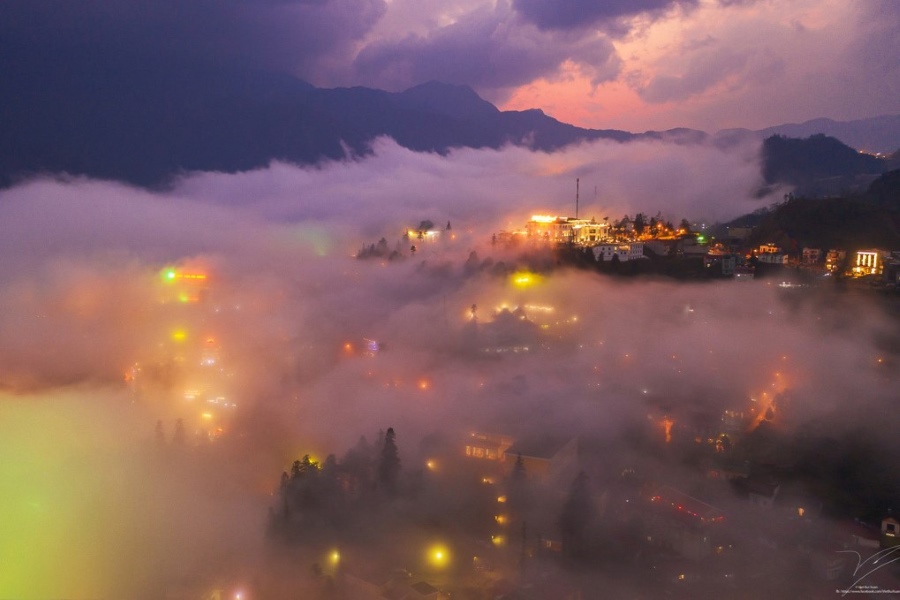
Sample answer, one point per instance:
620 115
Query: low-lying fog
233 303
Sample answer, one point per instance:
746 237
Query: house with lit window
487 446
680 522
834 259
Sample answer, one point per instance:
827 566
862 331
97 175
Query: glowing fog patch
524 279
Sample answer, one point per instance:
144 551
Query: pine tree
389 464
576 519
178 437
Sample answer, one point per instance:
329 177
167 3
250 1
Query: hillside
145 120
818 165
870 219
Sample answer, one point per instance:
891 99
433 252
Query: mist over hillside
138 324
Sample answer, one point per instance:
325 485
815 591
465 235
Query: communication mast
577 183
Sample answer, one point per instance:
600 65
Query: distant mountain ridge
875 135
819 165
144 120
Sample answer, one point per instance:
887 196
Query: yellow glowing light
179 335
501 519
334 557
497 540
438 556
544 218
501 499
206 416
524 279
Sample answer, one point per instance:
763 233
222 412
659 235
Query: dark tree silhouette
518 492
178 437
639 223
518 472
576 519
389 463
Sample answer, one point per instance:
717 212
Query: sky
644 65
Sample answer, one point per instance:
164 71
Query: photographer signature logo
865 568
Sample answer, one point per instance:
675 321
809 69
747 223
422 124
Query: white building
773 258
566 229
869 262
624 252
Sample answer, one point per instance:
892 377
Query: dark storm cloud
292 35
576 14
489 49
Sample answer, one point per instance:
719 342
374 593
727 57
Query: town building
487 446
834 259
566 230
772 258
811 256
680 522
545 458
623 252
870 262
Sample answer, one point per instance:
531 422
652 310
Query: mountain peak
457 101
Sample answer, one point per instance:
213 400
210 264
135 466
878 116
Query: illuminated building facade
869 262
487 446
566 230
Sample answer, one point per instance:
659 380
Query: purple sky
635 65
